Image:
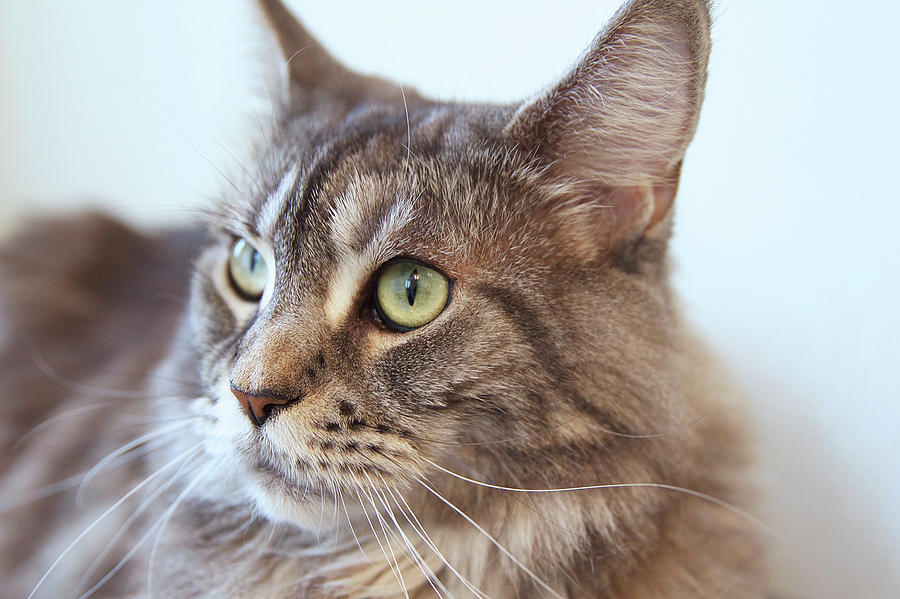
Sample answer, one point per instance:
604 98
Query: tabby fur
561 360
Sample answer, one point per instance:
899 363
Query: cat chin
237 480
278 502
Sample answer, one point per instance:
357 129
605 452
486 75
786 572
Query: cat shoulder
82 297
76 271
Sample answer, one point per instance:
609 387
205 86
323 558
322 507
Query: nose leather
258 406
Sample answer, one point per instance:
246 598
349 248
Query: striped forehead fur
349 215
273 206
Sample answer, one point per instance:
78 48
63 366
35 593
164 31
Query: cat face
532 237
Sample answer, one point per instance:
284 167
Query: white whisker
74 480
420 530
127 524
700 495
359 492
98 467
352 530
411 551
186 454
496 543
175 113
123 561
208 160
167 516
408 128
387 539
57 418
430 576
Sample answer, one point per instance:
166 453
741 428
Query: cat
426 350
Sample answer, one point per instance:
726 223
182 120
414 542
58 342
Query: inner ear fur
613 132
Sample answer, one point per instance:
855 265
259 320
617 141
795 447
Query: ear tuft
615 129
312 70
308 63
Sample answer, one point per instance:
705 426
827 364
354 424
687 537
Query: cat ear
312 71
615 129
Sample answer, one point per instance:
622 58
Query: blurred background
786 245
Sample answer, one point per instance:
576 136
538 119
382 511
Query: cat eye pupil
411 284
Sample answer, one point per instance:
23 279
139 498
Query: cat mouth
318 479
311 496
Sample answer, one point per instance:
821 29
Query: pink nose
258 406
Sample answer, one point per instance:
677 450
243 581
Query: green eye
247 270
409 295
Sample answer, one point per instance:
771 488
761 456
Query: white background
787 249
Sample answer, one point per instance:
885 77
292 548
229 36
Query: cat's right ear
313 73
612 134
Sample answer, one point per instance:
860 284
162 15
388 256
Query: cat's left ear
614 131
313 73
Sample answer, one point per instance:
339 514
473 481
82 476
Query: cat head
408 282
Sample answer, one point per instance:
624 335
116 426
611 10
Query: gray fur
560 361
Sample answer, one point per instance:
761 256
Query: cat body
551 429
